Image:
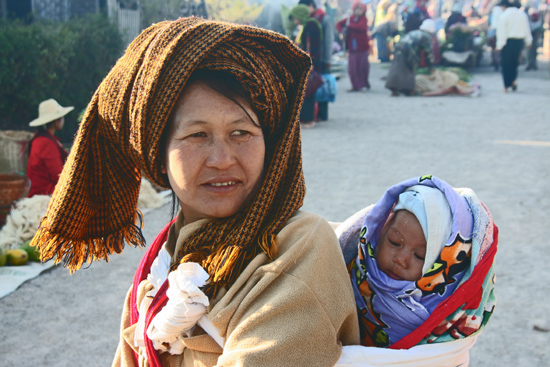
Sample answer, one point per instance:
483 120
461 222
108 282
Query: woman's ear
163 169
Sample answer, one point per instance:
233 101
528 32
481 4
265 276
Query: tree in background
235 11
65 61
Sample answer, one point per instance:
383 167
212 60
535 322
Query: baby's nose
401 259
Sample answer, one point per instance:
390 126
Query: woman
408 51
357 44
46 154
308 40
210 110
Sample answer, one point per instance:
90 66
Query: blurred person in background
327 29
380 36
356 32
492 35
537 31
513 33
407 56
46 153
310 40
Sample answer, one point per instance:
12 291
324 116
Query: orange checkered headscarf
93 209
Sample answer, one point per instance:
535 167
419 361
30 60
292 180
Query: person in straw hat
210 110
46 153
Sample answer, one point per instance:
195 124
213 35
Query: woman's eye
197 135
240 133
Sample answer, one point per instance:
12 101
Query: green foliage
64 61
234 11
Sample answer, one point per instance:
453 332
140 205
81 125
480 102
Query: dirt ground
498 144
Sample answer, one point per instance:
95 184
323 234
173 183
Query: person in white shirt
513 33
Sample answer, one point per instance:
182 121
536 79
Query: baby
420 244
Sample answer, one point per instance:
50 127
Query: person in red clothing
355 29
46 154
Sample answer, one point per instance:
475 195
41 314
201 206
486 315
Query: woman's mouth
222 186
219 184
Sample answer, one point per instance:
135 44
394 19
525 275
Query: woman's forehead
199 103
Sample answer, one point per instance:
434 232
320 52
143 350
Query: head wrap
428 25
301 12
361 6
453 299
432 210
93 209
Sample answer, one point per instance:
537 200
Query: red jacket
357 33
46 159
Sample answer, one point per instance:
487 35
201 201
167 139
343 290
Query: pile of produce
463 75
19 256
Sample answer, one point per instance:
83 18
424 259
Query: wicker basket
14 150
13 186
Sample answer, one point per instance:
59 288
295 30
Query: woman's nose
221 155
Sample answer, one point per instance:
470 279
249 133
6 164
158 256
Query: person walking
513 33
357 43
327 28
46 154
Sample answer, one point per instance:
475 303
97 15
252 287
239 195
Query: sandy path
372 141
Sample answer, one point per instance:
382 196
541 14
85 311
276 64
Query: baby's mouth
394 276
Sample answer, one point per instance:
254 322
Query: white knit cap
432 210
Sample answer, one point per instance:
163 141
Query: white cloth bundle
185 308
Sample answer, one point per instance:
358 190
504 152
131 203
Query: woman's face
214 154
401 248
59 123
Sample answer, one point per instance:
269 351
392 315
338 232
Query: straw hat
49 110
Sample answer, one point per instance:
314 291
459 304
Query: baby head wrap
432 210
93 209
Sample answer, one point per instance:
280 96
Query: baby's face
402 247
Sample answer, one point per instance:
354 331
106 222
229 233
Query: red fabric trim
141 274
158 303
461 296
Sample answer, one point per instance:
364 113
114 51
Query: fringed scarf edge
74 253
